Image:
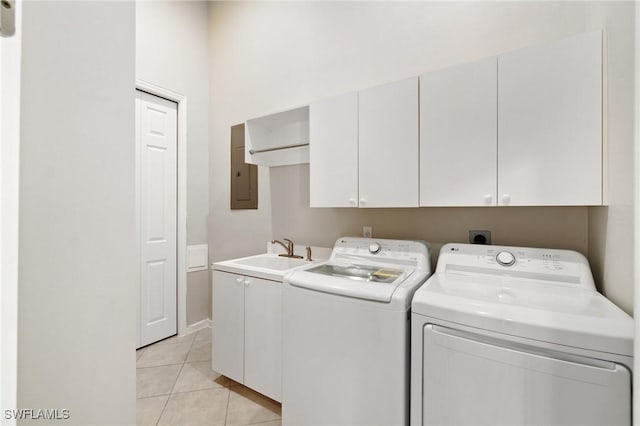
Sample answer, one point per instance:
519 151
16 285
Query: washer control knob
375 248
505 258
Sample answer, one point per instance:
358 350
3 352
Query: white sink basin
270 261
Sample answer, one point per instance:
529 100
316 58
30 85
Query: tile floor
176 386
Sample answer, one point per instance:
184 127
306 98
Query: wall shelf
278 139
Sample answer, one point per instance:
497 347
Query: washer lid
534 309
361 281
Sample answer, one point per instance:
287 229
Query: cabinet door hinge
7 18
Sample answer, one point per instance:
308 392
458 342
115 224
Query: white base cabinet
247 331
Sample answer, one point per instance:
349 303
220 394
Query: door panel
263 336
503 383
156 138
155 277
333 152
227 353
388 145
458 135
550 123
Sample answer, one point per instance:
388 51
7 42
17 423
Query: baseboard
198 326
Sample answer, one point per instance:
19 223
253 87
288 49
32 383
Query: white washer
346 334
518 336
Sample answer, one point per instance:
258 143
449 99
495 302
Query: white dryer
346 334
518 336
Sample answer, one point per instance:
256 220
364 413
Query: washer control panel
413 253
563 266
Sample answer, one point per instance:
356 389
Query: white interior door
156 156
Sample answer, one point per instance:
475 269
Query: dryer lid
567 316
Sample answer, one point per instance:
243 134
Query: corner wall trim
181 100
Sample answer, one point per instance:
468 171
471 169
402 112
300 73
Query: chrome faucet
288 247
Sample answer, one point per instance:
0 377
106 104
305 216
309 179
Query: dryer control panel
561 266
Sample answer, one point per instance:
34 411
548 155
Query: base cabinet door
263 337
227 352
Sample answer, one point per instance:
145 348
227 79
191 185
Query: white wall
77 271
10 53
556 227
267 57
611 250
172 48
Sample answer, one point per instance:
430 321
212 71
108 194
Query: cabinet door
263 337
550 123
388 145
227 353
458 135
333 152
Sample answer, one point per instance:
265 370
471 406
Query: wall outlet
367 231
480 237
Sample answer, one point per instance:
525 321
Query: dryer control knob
505 258
375 248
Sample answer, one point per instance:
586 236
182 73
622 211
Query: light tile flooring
176 386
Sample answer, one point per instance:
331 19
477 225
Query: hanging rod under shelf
257 151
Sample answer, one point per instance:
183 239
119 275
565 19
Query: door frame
181 224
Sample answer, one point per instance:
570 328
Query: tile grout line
161 365
174 383
226 411
184 361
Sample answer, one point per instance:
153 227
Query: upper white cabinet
458 135
550 123
333 151
364 148
522 129
388 145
